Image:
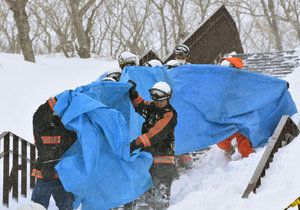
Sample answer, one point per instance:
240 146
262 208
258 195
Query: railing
284 133
10 178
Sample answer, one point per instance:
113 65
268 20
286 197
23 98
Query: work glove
133 146
132 91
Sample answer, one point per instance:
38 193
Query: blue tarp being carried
98 169
213 102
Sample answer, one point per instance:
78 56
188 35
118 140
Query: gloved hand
133 146
287 85
132 91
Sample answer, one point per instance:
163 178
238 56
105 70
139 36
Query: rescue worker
172 64
124 59
244 146
115 74
231 61
128 59
181 53
153 63
111 79
157 138
52 139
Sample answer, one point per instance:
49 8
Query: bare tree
269 12
291 10
82 36
9 41
21 19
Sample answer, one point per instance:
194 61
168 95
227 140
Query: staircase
21 153
277 64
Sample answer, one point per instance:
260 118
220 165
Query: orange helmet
235 62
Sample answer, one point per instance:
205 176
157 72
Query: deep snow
213 184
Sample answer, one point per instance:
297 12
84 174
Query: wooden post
6 170
32 160
14 172
24 169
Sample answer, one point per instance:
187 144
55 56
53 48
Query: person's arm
158 132
139 104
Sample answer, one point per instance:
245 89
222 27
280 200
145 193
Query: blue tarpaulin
212 103
98 169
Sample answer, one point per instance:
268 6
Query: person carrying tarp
153 63
52 139
237 139
157 138
128 59
181 54
124 59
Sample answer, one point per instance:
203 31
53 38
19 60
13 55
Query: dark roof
147 56
277 64
217 35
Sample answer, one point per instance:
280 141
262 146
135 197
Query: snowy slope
214 184
24 85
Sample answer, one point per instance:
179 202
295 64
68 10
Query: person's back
52 139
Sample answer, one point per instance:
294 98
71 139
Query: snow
213 184
24 85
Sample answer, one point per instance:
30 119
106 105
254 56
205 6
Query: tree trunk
21 19
82 37
271 19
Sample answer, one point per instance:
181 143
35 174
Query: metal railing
11 177
284 133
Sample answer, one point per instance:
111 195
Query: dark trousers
158 197
45 188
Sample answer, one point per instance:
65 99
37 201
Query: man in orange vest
52 139
243 144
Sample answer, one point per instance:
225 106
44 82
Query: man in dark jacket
52 139
158 139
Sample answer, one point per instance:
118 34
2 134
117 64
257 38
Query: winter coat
157 130
51 138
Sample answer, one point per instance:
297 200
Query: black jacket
158 128
51 140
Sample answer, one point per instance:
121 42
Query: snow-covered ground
214 184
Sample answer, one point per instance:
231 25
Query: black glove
287 85
133 146
132 91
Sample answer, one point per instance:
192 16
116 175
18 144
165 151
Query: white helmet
153 63
109 79
225 63
230 55
115 74
181 49
128 59
160 91
172 63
